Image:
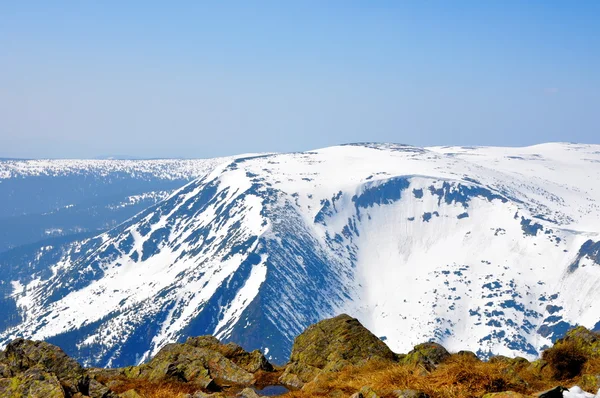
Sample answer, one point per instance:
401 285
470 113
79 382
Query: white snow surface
577 392
412 269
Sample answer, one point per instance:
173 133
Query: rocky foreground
334 358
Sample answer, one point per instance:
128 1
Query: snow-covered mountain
489 249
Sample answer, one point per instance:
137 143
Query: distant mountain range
496 250
48 198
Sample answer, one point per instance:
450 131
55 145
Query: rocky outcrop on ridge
324 360
330 345
202 364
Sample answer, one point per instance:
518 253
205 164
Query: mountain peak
469 247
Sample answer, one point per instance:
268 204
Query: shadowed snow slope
490 249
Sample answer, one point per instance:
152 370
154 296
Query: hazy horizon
126 157
205 80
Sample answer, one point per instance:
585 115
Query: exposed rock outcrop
249 361
33 382
368 392
429 355
468 354
38 369
203 367
330 345
39 366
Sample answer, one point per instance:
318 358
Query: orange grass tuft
162 389
459 377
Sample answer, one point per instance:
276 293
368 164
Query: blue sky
203 79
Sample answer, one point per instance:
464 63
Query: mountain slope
498 246
44 199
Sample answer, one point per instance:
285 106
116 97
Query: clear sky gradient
203 79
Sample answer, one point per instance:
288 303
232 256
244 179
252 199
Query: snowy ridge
491 249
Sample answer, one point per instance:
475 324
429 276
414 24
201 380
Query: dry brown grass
566 360
459 377
174 389
592 366
163 389
264 379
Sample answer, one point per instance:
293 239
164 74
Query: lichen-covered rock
202 361
34 382
468 354
200 366
337 393
429 355
182 365
499 359
21 355
584 339
201 394
98 390
296 375
342 338
130 394
105 374
409 394
249 361
248 393
513 364
368 392
330 345
132 372
111 379
520 361
537 366
252 361
365 392
5 371
590 382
